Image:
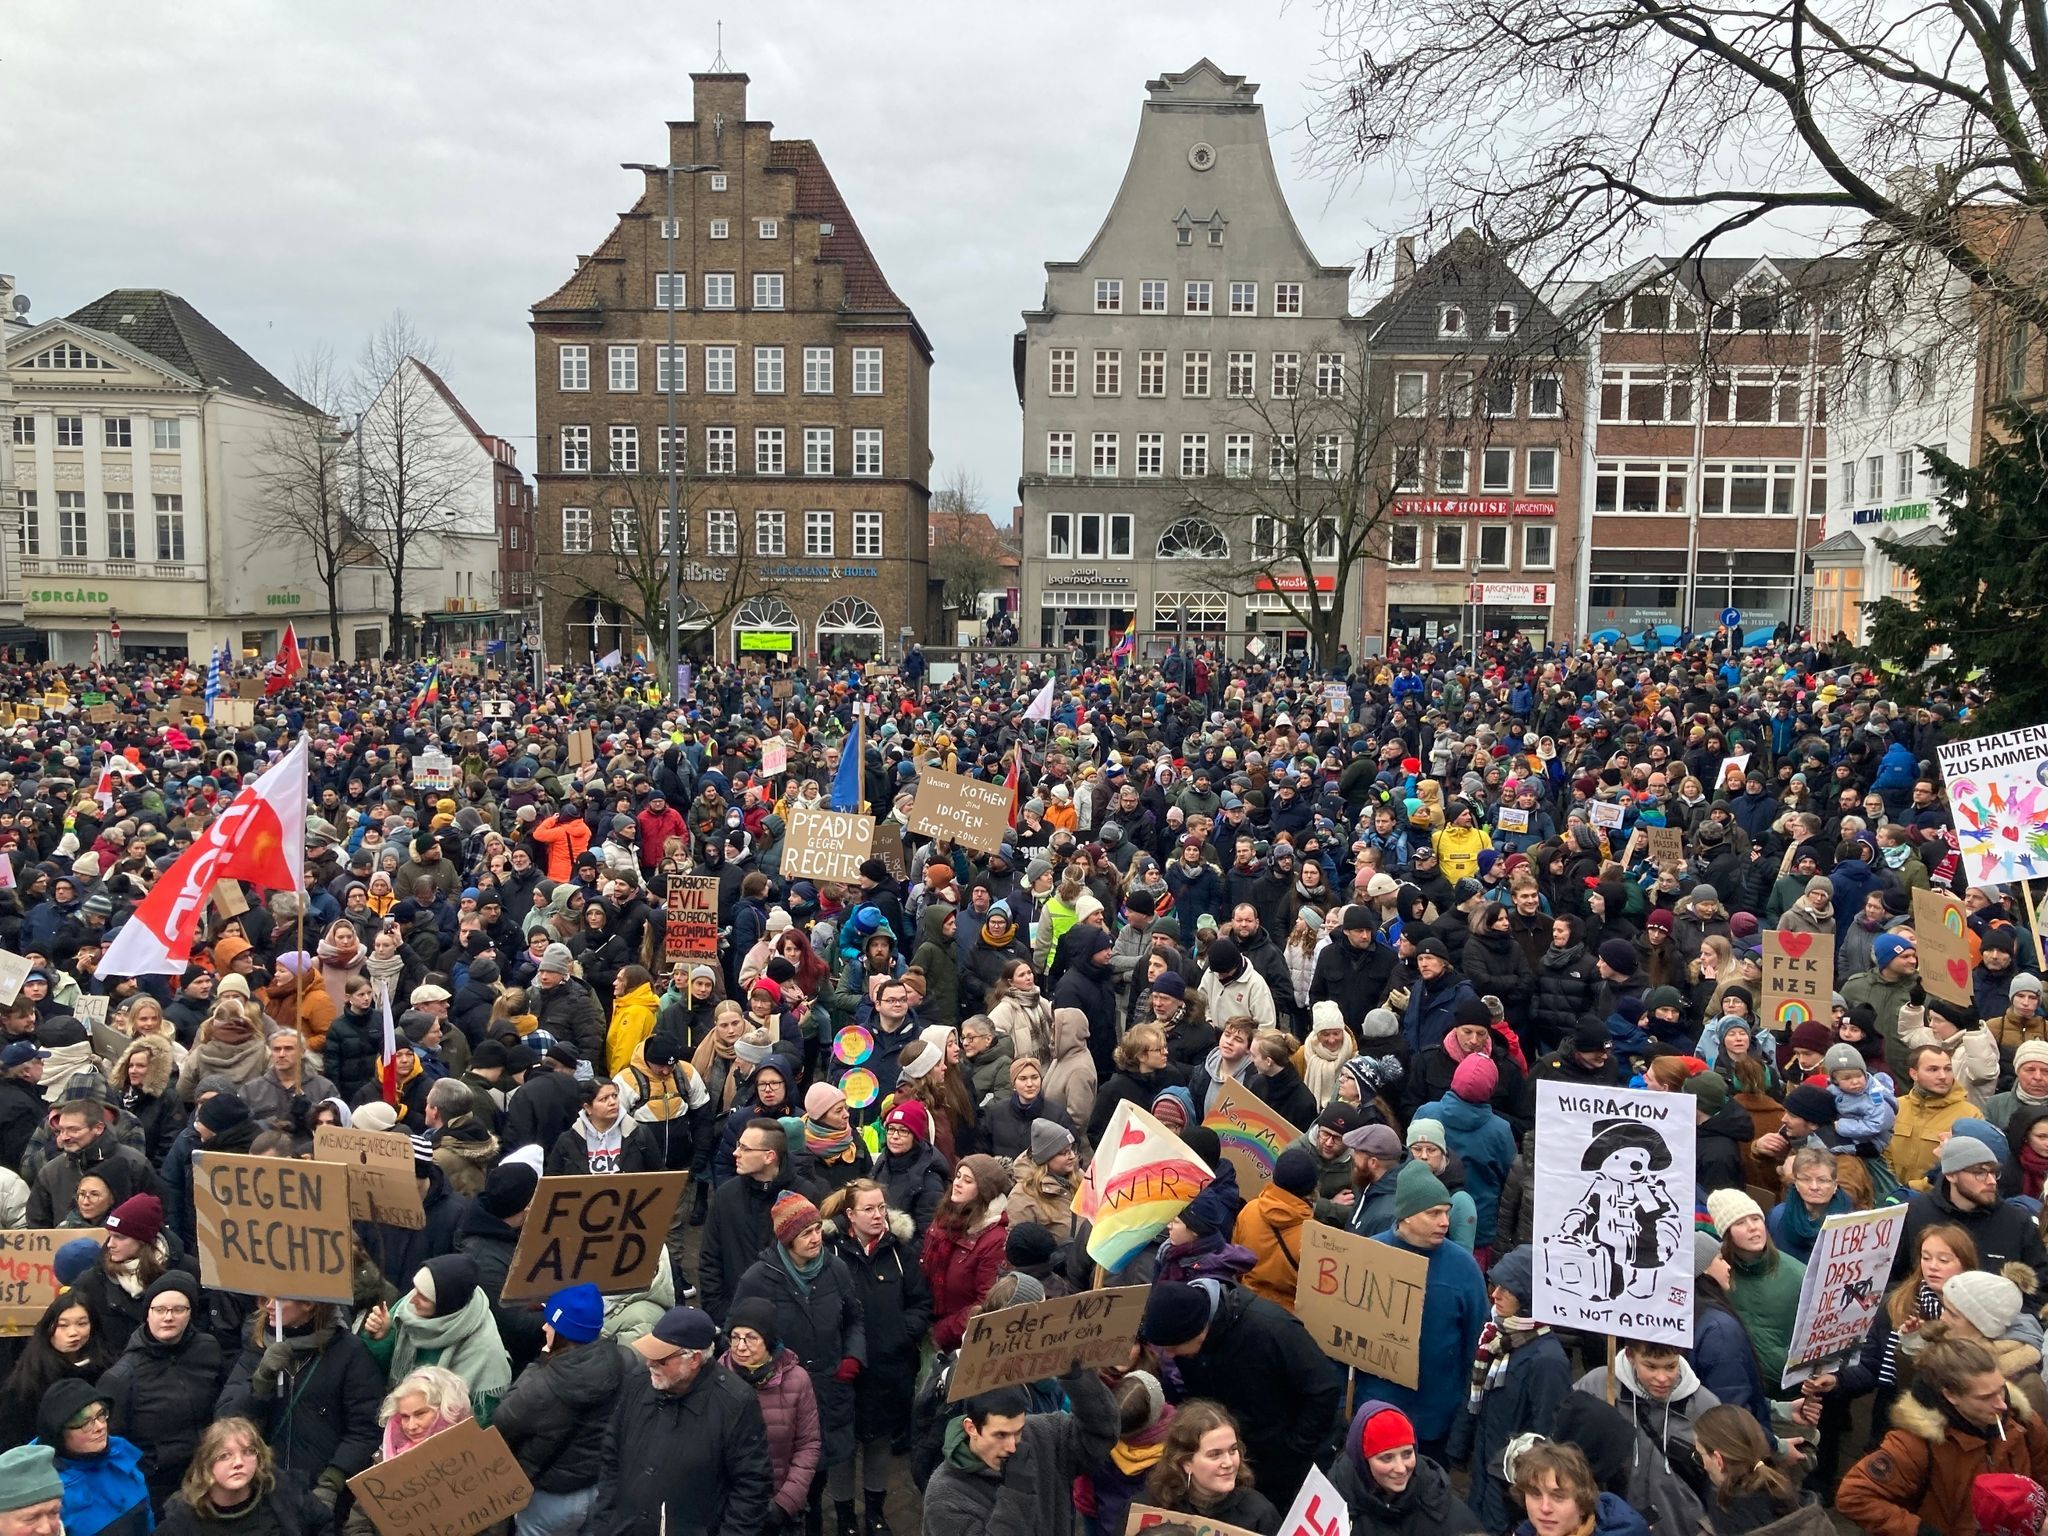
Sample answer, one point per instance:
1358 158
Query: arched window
849 615
764 613
1193 539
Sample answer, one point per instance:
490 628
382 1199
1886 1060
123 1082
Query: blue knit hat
75 1258
576 1313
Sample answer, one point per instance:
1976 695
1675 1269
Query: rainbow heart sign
1251 1135
1799 978
1998 793
1944 949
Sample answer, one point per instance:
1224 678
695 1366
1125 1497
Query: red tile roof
580 292
817 197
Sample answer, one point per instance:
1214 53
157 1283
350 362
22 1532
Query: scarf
959 1454
397 1442
825 1144
1926 1305
1134 1458
803 1274
1501 1337
1801 1230
2033 1171
755 1376
464 1342
385 971
1320 1071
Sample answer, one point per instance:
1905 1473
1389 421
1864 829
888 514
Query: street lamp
672 528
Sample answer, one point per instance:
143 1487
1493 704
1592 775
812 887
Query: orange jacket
1270 1226
565 838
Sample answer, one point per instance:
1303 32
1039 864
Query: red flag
1010 783
288 663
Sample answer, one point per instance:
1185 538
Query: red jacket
960 1269
565 838
655 831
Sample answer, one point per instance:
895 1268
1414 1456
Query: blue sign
1731 617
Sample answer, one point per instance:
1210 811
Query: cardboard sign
28 1275
782 688
774 757
103 714
109 1043
1251 1135
1045 1338
1844 1286
604 1228
228 899
13 972
1361 1300
1605 813
580 751
1994 787
269 1226
249 688
1318 1510
233 713
826 845
692 932
56 701
1144 1516
463 1480
90 1010
1511 818
1799 979
972 813
29 712
1938 935
1667 846
381 1184
318 659
889 849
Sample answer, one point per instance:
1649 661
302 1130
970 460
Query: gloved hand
277 1359
328 1490
848 1369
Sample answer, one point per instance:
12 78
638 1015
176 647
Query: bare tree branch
302 507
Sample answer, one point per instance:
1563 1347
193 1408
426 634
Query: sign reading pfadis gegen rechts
1614 1198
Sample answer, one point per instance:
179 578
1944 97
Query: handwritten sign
1994 785
1251 1135
458 1482
971 812
826 845
381 1184
1938 935
14 971
1667 846
774 757
269 1226
1605 813
1143 1517
1361 1300
604 1228
1844 1286
1318 1510
433 770
234 713
580 748
692 931
1799 979
28 1275
1044 1338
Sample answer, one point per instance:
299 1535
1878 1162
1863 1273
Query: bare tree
963 556
302 508
414 461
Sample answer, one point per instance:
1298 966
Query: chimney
719 105
1404 262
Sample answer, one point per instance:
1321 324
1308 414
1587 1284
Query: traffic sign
1730 617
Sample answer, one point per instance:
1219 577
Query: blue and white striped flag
213 678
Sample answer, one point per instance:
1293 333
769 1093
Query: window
1496 469
662 299
31 537
120 526
1408 469
575 368
1183 236
1194 455
1103 455
818 534
1848 485
1152 296
623 369
1500 395
1281 458
1454 393
625 450
1196 299
768 532
170 529
1450 320
1329 455
666 516
1411 394
1286 375
1447 546
1902 474
817 370
1244 298
1215 236
1109 296
817 450
767 370
867 535
576 450
1546 395
1109 373
24 431
718 290
1152 375
1194 375
721 229
662 362
66 356
71 525
1330 375
669 229
1873 478
117 432
1193 539
1241 376
1237 454
1644 395
1061 368
768 451
867 450
575 530
1752 490
1151 454
1503 321
1059 535
767 290
1495 547
1059 453
722 531
661 443
625 531
718 181
1641 487
1539 547
1450 469
1404 547
1088 534
867 370
721 450
721 370
1542 471
70 431
766 229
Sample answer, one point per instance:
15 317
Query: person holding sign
1007 1469
445 1319
233 1487
310 1385
1203 1472
1389 1486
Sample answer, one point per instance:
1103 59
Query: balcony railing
147 570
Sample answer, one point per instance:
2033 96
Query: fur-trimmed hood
162 1065
1919 1412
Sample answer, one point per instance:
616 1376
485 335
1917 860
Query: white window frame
573 369
718 290
1448 483
1059 453
721 370
662 360
1240 375
1534 482
1411 393
668 229
1330 375
818 363
1237 455
1286 375
1109 295
766 229
767 290
1062 371
1198 297
819 446
1495 407
622 449
721 229
1452 322
721 531
1194 375
575 530
1532 558
682 290
1194 455
718 182
867 370
771 531
121 539
575 446
1104 451
70 431
1152 375
1496 471
1109 373
867 535
117 432
1496 547
1283 459
867 452
771 451
1328 449
1410 558
1439 535
1287 298
821 534
1244 298
1152 296
721 450
1407 469
1059 535
1540 385
73 536
1149 456
661 443
1456 394
1503 321
622 370
30 540
769 375
624 533
170 529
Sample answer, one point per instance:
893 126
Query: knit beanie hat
1048 1140
991 1174
576 1313
2004 1503
75 1258
1816 1106
508 1189
1709 1089
2022 983
1515 1273
755 1046
1210 1211
1725 1207
1423 1131
1029 1243
790 1216
756 1313
1963 1152
2032 1050
1990 1302
1619 955
556 960
1417 1189
1887 947
222 1112
1705 1249
1175 1313
1388 1429
1475 1079
1379 1024
912 1117
377 1116
28 1475
1174 1108
1843 1058
139 1216
819 1100
1295 1172
1812 1036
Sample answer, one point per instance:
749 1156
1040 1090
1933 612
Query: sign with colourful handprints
1998 792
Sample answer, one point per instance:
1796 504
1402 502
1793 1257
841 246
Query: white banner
1318 1510
1844 1287
1998 792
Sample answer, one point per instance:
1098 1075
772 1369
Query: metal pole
1802 500
672 530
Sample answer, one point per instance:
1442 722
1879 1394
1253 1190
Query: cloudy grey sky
299 172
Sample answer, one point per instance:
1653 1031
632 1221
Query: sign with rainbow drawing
1998 792
1250 1133
1799 976
1142 1177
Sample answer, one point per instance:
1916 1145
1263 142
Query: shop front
1510 608
1085 611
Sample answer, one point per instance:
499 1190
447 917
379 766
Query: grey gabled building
1197 293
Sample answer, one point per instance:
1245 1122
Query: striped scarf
1926 1305
825 1144
1497 1340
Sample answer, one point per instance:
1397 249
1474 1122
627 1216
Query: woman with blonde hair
232 1487
1020 1010
1753 1485
230 1043
425 1402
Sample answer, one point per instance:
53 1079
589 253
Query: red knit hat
2007 1504
1387 1430
912 1116
791 1216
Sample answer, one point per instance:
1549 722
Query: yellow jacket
633 1019
1458 850
1922 1122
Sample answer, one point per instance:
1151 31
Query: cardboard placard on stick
14 971
28 1274
1511 818
1145 1516
463 1480
103 714
270 1226
1251 1135
889 849
381 1184
1044 1338
606 1228
826 845
234 713
692 931
1361 1301
1667 846
228 899
1799 979
1944 951
1844 1287
249 688
971 812
580 748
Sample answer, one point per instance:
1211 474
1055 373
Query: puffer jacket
634 1017
1919 1477
961 1266
1566 986
1270 1227
789 1412
915 1183
161 1396
896 1314
553 1418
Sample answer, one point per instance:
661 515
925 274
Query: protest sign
1318 1510
1141 1177
7 881
604 1228
28 1275
1144 1516
1739 763
108 1043
1938 935
460 1481
692 931
91 1010
234 712
1799 979
269 1226
1844 1286
1511 818
249 688
1614 1200
1667 846
103 714
781 688
381 1184
433 770
228 899
497 709
1996 792
1044 1338
580 748
1605 813
1361 1301
971 812
13 972
774 757
826 845
1251 1134
889 849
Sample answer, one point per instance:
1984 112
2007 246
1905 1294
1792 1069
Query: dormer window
1504 319
1450 321
1184 236
1215 235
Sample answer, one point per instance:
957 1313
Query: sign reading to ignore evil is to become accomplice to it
271 1226
604 1228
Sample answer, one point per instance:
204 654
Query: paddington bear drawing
1626 1226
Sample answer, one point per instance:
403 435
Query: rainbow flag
1142 1177
1251 1135
430 691
1126 644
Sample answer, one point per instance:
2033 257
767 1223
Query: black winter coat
22 1109
294 1513
821 1328
161 1398
1566 982
1429 1079
2004 1233
1719 1143
689 1464
544 1106
471 1010
489 1243
570 1013
323 1413
555 1416
1092 989
736 1229
400 1251
1426 1507
1141 1088
1005 1130
349 1058
1356 980
1262 1365
1496 966
1287 1096
570 1154
915 1183
896 1312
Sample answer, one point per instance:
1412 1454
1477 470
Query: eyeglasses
170 1309
96 1414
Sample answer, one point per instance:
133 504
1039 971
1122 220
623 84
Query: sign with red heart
1944 947
1799 977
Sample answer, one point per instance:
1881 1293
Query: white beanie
1725 1207
423 1282
1325 1015
2030 1050
1990 1302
